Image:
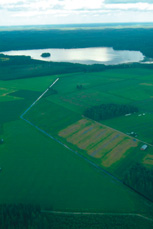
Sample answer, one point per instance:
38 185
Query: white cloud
130 6
75 11
4 2
80 4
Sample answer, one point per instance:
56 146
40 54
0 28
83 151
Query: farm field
60 111
38 167
36 174
138 123
121 86
54 159
35 168
108 146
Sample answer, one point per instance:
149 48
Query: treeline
97 222
22 217
6 61
107 111
32 217
139 39
140 178
18 67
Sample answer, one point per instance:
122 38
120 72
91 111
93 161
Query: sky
39 12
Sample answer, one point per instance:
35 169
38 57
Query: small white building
144 147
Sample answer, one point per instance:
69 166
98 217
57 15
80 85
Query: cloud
131 6
80 4
75 5
45 4
79 11
127 1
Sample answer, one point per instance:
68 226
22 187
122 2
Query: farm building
144 147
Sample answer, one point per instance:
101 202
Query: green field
35 170
38 170
68 170
128 86
57 112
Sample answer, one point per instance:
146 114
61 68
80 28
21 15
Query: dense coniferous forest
18 67
106 111
138 39
22 217
141 179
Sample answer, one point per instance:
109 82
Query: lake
89 56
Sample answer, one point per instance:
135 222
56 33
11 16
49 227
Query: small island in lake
45 54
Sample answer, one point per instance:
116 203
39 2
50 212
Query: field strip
118 131
98 213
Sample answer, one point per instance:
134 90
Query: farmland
39 170
128 86
109 143
99 141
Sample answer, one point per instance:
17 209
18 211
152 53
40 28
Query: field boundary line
97 213
38 98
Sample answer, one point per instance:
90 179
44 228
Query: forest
45 54
18 67
107 111
138 39
22 216
141 179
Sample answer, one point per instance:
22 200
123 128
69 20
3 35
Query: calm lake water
107 56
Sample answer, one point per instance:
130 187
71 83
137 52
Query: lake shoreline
87 56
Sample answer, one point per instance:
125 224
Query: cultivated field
99 141
131 86
38 168
59 114
148 159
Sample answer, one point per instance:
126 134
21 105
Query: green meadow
65 106
132 86
115 179
38 170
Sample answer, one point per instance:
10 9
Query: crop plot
100 142
148 159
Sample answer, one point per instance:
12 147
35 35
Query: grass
98 221
37 170
57 117
142 125
122 86
40 171
60 114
